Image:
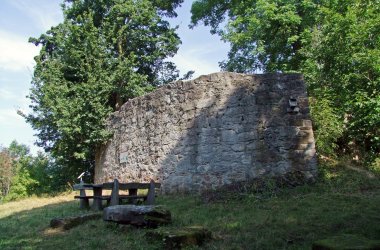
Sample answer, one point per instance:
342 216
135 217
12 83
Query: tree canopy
342 63
22 174
264 34
102 54
334 43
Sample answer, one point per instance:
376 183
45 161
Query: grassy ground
346 200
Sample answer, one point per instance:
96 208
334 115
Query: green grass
346 200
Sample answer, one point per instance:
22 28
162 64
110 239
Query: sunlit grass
32 203
345 200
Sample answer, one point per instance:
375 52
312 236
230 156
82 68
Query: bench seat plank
131 185
81 187
103 197
133 196
83 197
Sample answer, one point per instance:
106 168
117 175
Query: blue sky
21 19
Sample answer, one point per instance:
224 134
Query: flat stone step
140 216
70 222
178 238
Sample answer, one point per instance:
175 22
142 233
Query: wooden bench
116 198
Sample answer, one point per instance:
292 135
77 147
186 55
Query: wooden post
151 193
115 193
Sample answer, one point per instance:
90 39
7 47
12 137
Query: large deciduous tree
264 34
334 43
102 54
342 61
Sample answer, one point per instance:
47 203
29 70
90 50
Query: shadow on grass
344 177
343 201
29 229
24 229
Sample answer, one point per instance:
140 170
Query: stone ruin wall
213 131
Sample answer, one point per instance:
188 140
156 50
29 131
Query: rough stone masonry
213 131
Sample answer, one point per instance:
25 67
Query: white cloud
16 54
9 116
202 58
11 101
10 122
185 63
44 13
7 95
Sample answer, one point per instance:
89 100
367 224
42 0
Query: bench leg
97 203
115 193
151 194
83 203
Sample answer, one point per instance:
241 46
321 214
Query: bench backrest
81 186
131 185
122 186
132 190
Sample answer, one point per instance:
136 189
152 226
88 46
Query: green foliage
18 175
375 166
103 53
23 175
265 35
343 56
335 44
328 125
21 183
6 172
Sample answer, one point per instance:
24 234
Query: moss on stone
178 238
